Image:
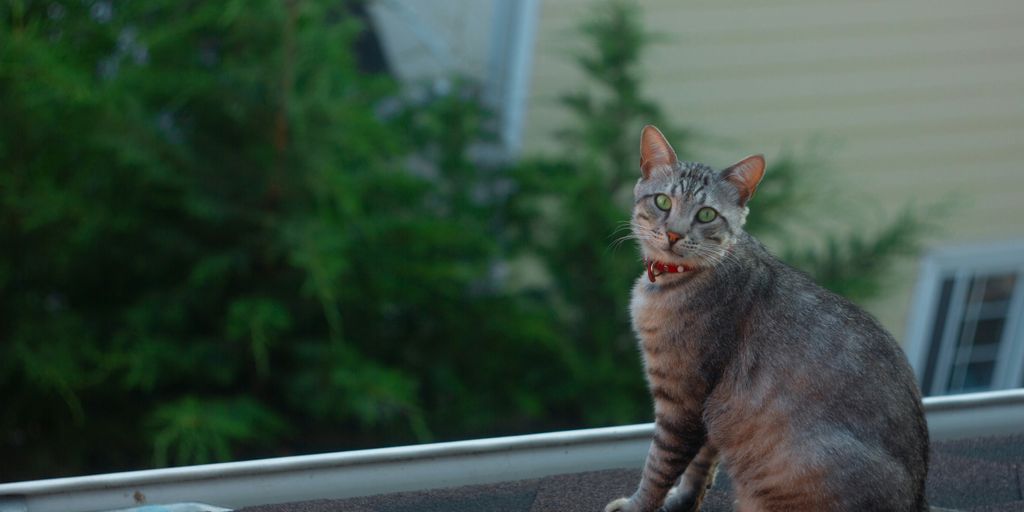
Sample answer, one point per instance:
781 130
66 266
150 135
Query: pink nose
673 236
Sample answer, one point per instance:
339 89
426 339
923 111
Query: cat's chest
666 322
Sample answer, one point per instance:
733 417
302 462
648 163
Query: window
965 331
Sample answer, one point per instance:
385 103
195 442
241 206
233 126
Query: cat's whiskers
708 256
719 255
711 256
638 232
640 229
626 224
615 244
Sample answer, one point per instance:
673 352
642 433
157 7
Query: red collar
662 268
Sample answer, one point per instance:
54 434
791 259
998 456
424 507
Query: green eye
706 214
662 201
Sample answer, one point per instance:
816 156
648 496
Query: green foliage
214 242
193 430
258 322
856 266
779 196
220 239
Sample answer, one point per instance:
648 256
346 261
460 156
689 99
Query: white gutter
410 468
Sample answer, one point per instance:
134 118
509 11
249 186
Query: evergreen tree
220 239
215 246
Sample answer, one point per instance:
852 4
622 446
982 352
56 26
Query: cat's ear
655 151
745 175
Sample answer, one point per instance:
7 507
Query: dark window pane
979 376
999 287
989 332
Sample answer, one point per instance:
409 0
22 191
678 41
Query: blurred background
238 229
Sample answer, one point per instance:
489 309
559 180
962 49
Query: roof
505 465
980 474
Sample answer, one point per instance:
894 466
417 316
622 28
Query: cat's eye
663 202
706 214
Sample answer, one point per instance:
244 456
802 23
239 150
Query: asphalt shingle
975 475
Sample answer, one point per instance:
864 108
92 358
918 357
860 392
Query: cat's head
686 212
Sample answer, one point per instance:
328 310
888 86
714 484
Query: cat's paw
672 492
681 500
620 505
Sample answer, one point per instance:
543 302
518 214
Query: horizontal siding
917 100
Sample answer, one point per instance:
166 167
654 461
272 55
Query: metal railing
410 468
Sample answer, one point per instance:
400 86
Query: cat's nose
673 237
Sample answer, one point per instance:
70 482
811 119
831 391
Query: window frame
963 264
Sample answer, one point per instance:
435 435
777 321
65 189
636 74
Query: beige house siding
916 99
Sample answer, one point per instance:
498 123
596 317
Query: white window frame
962 264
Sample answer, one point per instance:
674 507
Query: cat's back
817 385
808 343
797 325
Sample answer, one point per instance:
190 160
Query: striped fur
805 398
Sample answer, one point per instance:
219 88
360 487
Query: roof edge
409 468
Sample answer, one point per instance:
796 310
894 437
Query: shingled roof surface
976 475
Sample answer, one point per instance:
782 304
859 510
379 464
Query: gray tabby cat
806 399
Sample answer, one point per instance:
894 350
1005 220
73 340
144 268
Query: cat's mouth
669 256
677 254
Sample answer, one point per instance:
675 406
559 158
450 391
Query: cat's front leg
689 493
696 480
677 437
